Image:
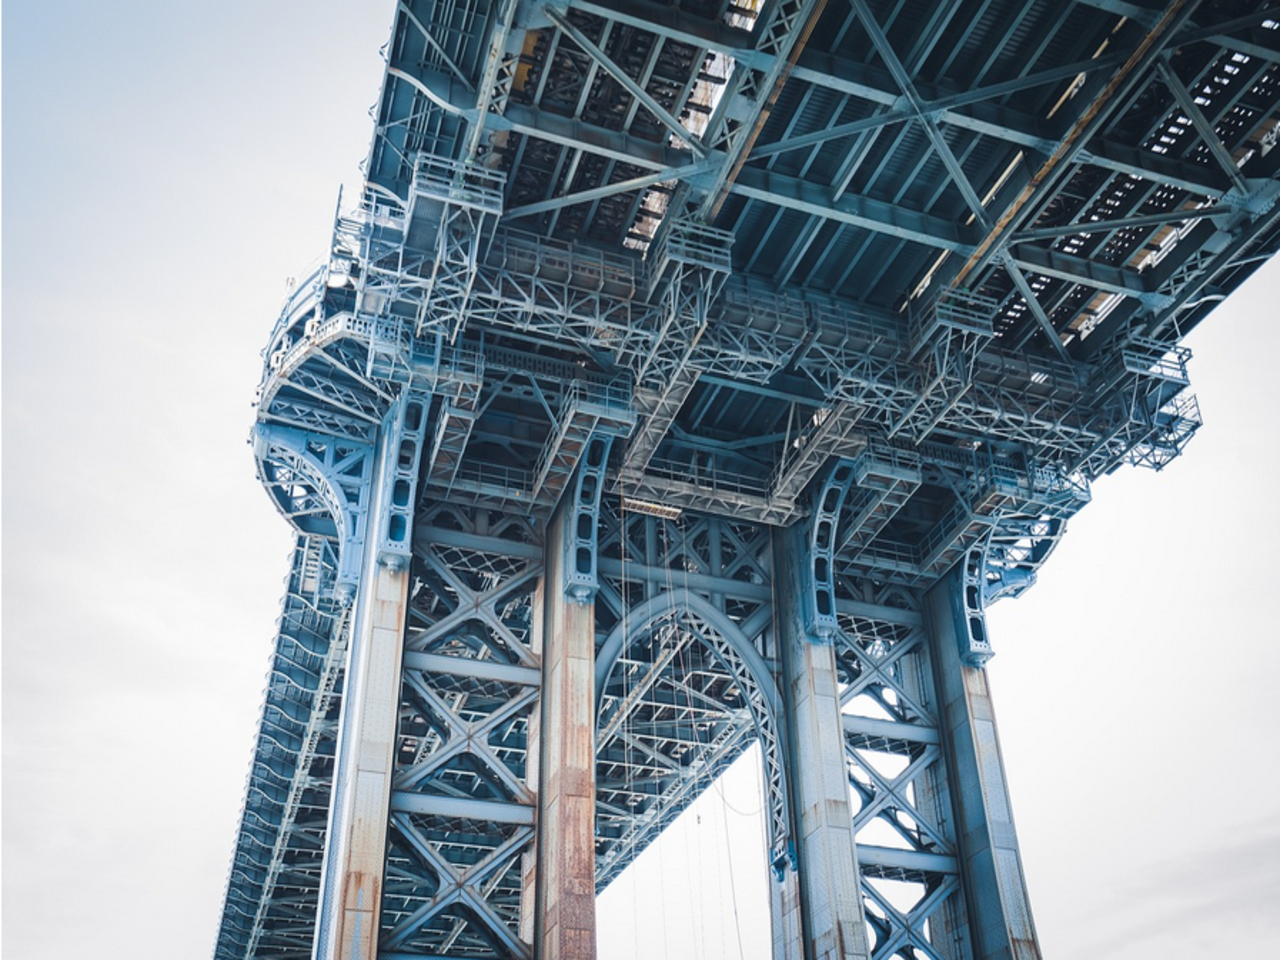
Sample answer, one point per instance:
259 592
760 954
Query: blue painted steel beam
858 211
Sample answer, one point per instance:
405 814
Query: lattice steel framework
693 375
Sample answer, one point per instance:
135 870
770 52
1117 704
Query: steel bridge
689 376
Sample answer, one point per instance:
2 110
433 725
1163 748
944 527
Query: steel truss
939 373
462 811
274 881
682 680
757 347
907 848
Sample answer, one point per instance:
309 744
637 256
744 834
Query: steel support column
1001 927
351 885
818 911
566 892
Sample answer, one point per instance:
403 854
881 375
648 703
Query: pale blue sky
166 168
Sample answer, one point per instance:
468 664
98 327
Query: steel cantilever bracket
334 477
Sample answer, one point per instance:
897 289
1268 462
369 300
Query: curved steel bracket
969 609
321 485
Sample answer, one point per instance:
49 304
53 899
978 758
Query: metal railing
460 183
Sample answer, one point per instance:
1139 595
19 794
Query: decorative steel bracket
309 473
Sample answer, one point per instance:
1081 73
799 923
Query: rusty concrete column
827 889
566 894
999 917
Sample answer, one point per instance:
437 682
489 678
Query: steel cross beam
1160 35
1207 134
868 22
636 90
948 107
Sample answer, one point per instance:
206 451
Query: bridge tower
690 376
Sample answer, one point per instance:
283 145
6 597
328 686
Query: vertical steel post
566 894
1001 927
355 854
827 896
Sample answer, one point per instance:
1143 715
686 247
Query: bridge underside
688 376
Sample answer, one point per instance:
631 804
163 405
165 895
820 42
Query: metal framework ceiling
952 245
1043 166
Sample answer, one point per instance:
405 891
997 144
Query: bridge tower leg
818 912
565 924
999 910
352 876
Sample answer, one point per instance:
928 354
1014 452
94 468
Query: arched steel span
694 617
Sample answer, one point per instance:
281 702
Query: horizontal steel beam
1090 273
499 811
1179 215
1203 180
877 611
888 729
1259 43
685 172
887 858
678 25
580 135
874 215
477 669
701 582
426 536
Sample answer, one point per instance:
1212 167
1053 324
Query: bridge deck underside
944 225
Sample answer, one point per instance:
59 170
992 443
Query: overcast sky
166 169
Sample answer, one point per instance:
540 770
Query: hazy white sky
166 168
